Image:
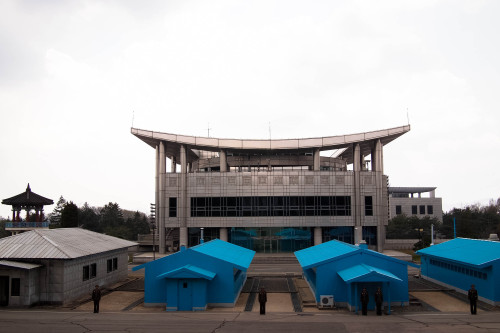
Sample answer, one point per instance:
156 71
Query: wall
407 203
28 293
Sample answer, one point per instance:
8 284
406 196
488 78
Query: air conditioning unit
326 301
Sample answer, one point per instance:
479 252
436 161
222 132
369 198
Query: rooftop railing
27 224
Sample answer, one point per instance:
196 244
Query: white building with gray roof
57 266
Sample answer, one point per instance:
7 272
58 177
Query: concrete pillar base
358 234
318 237
183 236
223 234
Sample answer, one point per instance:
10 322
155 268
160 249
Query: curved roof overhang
346 142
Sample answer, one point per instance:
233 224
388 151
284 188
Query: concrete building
211 273
271 195
57 266
339 271
409 201
460 262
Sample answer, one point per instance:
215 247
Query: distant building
460 262
339 271
410 202
277 195
28 201
209 274
58 265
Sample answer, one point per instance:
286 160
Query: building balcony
18 226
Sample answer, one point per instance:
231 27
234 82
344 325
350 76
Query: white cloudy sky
74 74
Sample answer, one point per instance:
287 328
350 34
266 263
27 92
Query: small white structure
58 265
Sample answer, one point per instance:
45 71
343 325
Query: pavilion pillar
379 206
161 208
223 234
183 232
318 239
173 164
223 160
316 160
358 229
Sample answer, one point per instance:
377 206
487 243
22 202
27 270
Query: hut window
16 287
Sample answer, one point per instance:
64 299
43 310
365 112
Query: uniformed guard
364 302
472 295
379 300
96 297
262 300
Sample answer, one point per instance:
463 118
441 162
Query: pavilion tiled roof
27 198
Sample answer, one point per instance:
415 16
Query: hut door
185 300
4 290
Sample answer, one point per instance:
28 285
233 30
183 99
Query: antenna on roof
133 118
208 129
407 116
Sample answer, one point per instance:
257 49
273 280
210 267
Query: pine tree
55 216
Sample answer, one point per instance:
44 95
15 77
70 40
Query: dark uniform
379 300
262 301
472 295
364 301
96 297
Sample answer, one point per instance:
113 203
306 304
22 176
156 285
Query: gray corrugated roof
63 243
17 264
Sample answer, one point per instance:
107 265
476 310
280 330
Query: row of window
459 269
416 210
272 206
90 271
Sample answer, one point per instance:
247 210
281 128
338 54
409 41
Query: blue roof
364 272
234 254
187 272
469 251
315 255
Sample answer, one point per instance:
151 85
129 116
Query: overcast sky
76 75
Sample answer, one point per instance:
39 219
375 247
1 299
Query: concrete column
380 206
183 233
318 237
358 234
316 160
173 164
223 161
357 193
161 207
223 234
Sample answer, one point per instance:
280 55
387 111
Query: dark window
368 206
422 210
430 209
109 264
398 210
86 272
172 207
115 264
184 285
414 210
93 271
16 287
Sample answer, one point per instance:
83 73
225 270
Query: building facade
409 201
209 274
461 262
340 271
57 266
271 195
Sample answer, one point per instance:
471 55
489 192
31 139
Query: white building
410 202
58 266
271 195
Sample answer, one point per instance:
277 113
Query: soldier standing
96 297
364 301
472 295
379 300
262 300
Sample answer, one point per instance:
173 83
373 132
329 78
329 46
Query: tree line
110 219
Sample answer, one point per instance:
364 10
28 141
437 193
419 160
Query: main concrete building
271 195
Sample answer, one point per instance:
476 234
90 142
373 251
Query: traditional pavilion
28 201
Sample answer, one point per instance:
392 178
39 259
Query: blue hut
460 262
211 273
342 270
